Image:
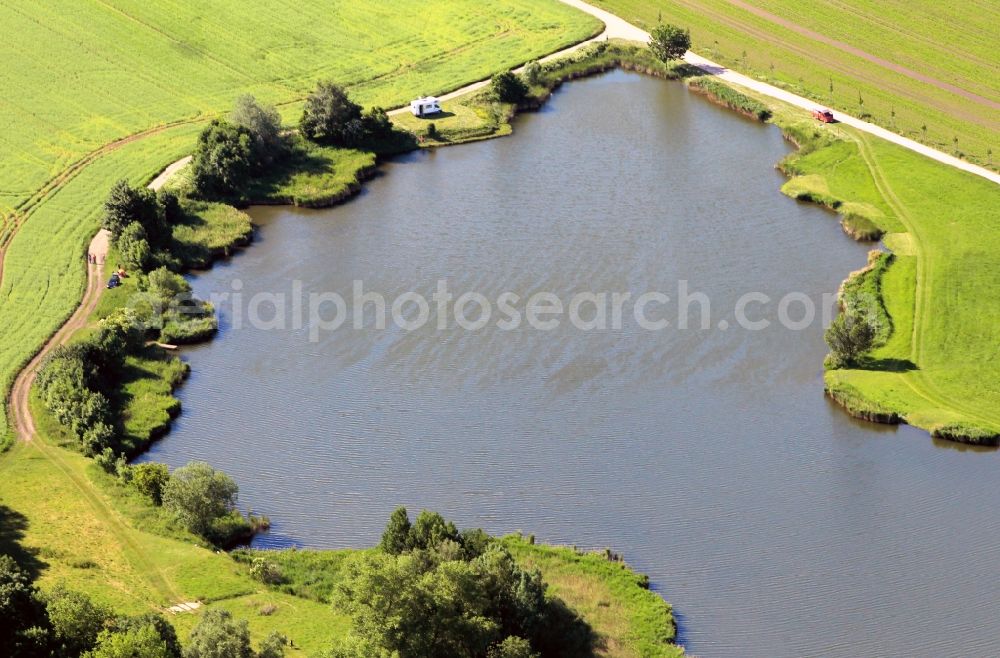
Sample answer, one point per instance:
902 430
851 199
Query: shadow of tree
13 525
567 635
885 365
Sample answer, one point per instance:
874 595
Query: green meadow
936 367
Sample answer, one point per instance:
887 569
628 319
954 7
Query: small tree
532 73
119 208
223 159
669 42
430 529
376 123
167 287
76 619
508 87
264 125
157 623
849 336
171 206
150 479
265 571
198 495
273 646
126 204
330 116
396 538
140 642
134 247
218 635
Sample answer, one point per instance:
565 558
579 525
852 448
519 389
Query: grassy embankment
936 365
953 43
85 80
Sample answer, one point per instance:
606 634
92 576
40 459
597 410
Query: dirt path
24 425
617 27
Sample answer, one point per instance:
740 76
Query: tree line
430 590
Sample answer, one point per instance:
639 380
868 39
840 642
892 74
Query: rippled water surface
775 524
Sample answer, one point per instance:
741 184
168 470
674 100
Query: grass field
788 43
937 369
76 80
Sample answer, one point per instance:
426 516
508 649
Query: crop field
830 50
77 79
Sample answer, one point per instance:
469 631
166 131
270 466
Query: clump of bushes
861 294
967 434
203 499
67 623
729 97
75 382
140 223
434 591
330 117
861 228
508 87
231 151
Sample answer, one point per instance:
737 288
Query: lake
709 457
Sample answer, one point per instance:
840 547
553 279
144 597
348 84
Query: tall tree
396 538
198 495
264 125
330 116
223 159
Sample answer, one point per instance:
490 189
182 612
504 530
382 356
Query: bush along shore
429 589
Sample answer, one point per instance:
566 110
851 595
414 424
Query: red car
826 116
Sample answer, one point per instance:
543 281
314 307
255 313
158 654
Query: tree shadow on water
13 525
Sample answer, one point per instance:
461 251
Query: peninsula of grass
207 232
936 368
627 619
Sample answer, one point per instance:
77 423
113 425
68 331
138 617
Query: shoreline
849 403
